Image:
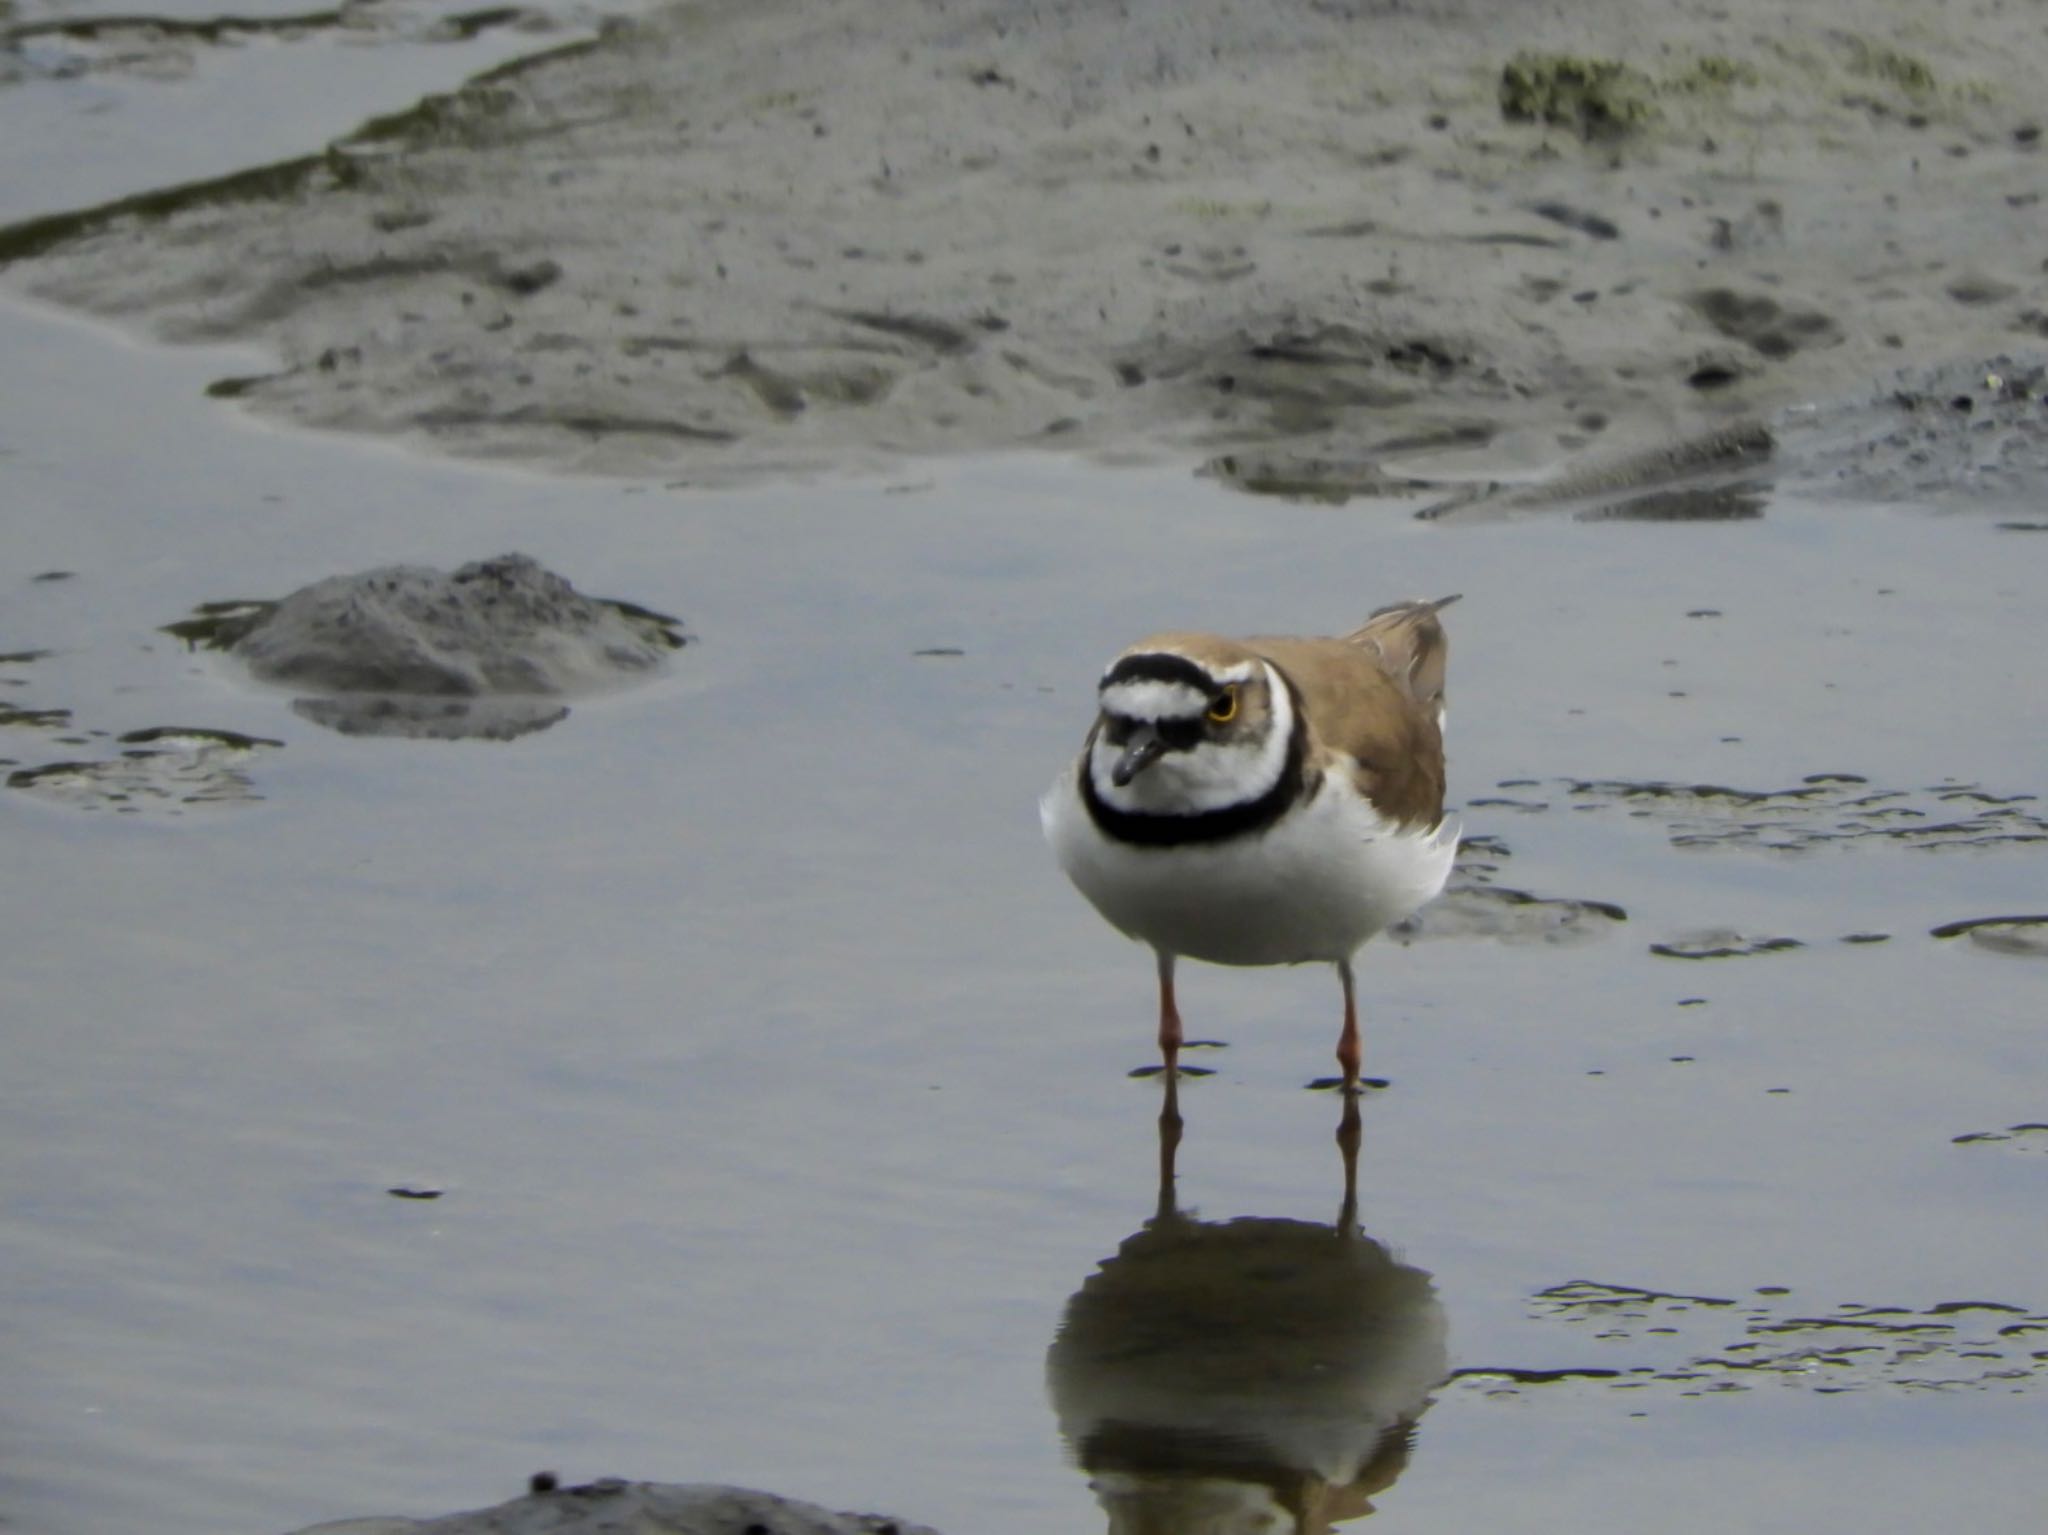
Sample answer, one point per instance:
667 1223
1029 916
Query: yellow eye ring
1224 709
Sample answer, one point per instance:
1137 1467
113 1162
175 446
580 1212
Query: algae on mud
1595 98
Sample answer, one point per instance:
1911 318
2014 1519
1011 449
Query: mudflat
736 239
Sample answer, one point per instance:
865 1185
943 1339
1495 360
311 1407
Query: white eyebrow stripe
1148 699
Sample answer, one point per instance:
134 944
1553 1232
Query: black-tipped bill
1144 749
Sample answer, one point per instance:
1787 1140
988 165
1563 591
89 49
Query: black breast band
1142 829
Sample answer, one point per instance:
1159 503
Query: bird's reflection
1248 1375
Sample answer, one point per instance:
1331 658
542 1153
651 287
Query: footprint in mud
1976 290
1209 264
1762 323
1721 1344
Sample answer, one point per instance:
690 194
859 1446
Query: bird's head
1187 730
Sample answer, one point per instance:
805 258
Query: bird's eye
1223 708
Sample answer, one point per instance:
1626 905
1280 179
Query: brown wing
1409 641
1363 711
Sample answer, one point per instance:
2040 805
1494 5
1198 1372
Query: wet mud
162 45
2031 1137
1475 905
1708 1345
158 770
485 652
1835 811
1331 251
163 770
2024 936
649 1508
481 652
1722 943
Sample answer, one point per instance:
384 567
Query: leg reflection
1349 1134
1169 1144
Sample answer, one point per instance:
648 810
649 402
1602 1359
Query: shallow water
101 104
775 1085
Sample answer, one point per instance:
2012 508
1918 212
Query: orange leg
1169 1016
1349 1055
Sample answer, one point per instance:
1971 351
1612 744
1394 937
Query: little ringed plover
1263 801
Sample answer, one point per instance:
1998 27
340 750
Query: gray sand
744 238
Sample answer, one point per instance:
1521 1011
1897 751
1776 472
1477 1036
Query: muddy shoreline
1439 241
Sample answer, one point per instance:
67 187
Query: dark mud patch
1509 916
1968 433
149 44
1763 324
1722 943
1972 432
1822 810
2024 936
32 718
218 624
1704 1345
1716 476
1476 905
2030 1137
164 770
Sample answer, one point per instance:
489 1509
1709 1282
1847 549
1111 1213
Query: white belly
1314 886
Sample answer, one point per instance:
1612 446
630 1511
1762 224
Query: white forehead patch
1146 698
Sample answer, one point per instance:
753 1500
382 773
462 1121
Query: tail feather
1411 645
